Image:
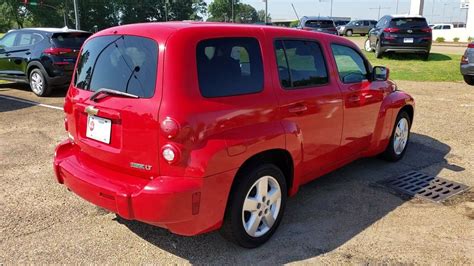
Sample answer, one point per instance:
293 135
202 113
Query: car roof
317 18
166 29
406 16
53 30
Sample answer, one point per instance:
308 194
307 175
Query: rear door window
70 40
320 24
122 63
300 64
229 67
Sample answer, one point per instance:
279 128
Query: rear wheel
378 50
368 46
469 80
349 33
399 140
255 206
38 83
362 34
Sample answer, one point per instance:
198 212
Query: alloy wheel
400 138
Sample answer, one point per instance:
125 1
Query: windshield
122 63
408 23
320 24
70 40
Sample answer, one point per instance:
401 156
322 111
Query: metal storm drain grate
425 186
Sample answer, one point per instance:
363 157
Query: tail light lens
170 127
464 60
57 51
170 153
471 45
391 30
307 28
426 30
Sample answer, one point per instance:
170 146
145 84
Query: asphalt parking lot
345 217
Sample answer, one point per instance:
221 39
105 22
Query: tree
261 16
221 10
246 14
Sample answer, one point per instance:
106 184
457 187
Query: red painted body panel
216 136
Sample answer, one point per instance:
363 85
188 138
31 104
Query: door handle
298 108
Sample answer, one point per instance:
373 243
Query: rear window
408 23
320 24
229 66
121 63
69 40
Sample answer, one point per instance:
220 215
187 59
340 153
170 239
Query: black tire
233 226
378 50
469 79
362 34
390 154
38 83
349 33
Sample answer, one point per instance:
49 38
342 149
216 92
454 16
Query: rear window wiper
114 92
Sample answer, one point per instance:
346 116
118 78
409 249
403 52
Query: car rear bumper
467 70
184 205
407 49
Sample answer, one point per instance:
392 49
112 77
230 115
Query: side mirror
380 73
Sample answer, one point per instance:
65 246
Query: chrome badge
140 166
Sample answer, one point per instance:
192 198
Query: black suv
361 27
401 34
42 57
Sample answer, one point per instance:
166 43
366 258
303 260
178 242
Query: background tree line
106 13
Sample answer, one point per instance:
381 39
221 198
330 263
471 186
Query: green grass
1 35
439 67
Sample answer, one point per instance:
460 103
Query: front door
362 99
6 46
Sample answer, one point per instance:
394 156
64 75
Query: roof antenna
296 13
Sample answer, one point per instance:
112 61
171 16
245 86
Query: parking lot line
30 102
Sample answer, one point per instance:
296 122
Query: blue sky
281 9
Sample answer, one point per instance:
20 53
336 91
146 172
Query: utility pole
332 1
379 8
232 18
76 14
266 11
398 1
296 13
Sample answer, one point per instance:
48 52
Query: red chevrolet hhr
199 126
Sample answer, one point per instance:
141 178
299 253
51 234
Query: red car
196 126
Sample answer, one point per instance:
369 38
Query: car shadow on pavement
56 93
324 215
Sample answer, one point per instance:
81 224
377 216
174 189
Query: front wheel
368 46
469 80
256 205
378 50
399 140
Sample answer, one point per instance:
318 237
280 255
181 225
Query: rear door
20 54
310 100
120 132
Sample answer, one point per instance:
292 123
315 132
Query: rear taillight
170 153
471 45
307 28
464 60
391 30
427 30
57 51
169 127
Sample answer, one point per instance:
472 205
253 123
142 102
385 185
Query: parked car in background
199 126
319 24
400 34
361 27
442 26
339 22
42 57
467 64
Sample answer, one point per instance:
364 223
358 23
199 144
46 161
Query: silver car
467 64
